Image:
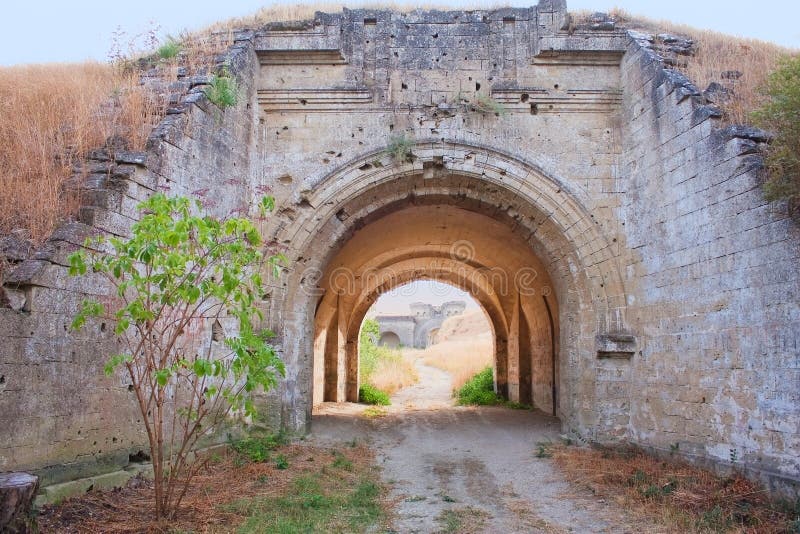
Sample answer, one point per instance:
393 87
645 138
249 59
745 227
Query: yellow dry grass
464 347
50 117
462 358
299 12
395 374
717 53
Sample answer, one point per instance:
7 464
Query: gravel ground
468 469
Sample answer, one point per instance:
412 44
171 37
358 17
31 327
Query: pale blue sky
397 301
74 30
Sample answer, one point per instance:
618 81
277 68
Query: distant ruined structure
417 330
588 197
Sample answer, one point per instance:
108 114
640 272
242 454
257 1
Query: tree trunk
17 491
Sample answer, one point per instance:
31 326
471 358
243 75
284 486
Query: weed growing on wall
400 149
488 105
181 274
223 91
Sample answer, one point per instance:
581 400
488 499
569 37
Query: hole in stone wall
524 97
285 179
2 379
370 21
555 86
130 387
435 35
217 332
303 101
138 457
102 327
403 86
534 109
477 86
509 20
365 167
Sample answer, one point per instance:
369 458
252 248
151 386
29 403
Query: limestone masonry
587 196
419 329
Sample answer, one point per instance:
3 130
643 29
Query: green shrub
370 354
281 462
479 390
169 49
258 448
369 394
223 90
781 116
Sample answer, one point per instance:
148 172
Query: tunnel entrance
389 339
457 246
498 227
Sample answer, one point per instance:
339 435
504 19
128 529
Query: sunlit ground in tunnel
420 342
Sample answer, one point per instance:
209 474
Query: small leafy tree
781 115
180 274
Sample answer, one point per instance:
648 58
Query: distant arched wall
389 339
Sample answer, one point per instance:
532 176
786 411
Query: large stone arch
587 292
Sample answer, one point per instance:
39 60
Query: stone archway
512 227
389 339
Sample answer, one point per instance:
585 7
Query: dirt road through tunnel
469 467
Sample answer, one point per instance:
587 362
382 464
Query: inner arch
466 249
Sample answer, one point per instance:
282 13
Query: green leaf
162 377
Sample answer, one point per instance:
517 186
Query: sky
397 301
36 31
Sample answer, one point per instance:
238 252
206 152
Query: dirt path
468 469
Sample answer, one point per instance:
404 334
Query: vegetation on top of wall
51 116
169 49
781 115
739 65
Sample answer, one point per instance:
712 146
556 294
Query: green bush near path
479 390
369 394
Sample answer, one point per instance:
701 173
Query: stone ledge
615 345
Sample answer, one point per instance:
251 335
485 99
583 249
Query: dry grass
391 375
464 347
462 358
674 494
217 500
300 12
50 117
717 53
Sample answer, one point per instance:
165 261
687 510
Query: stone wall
61 417
714 282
